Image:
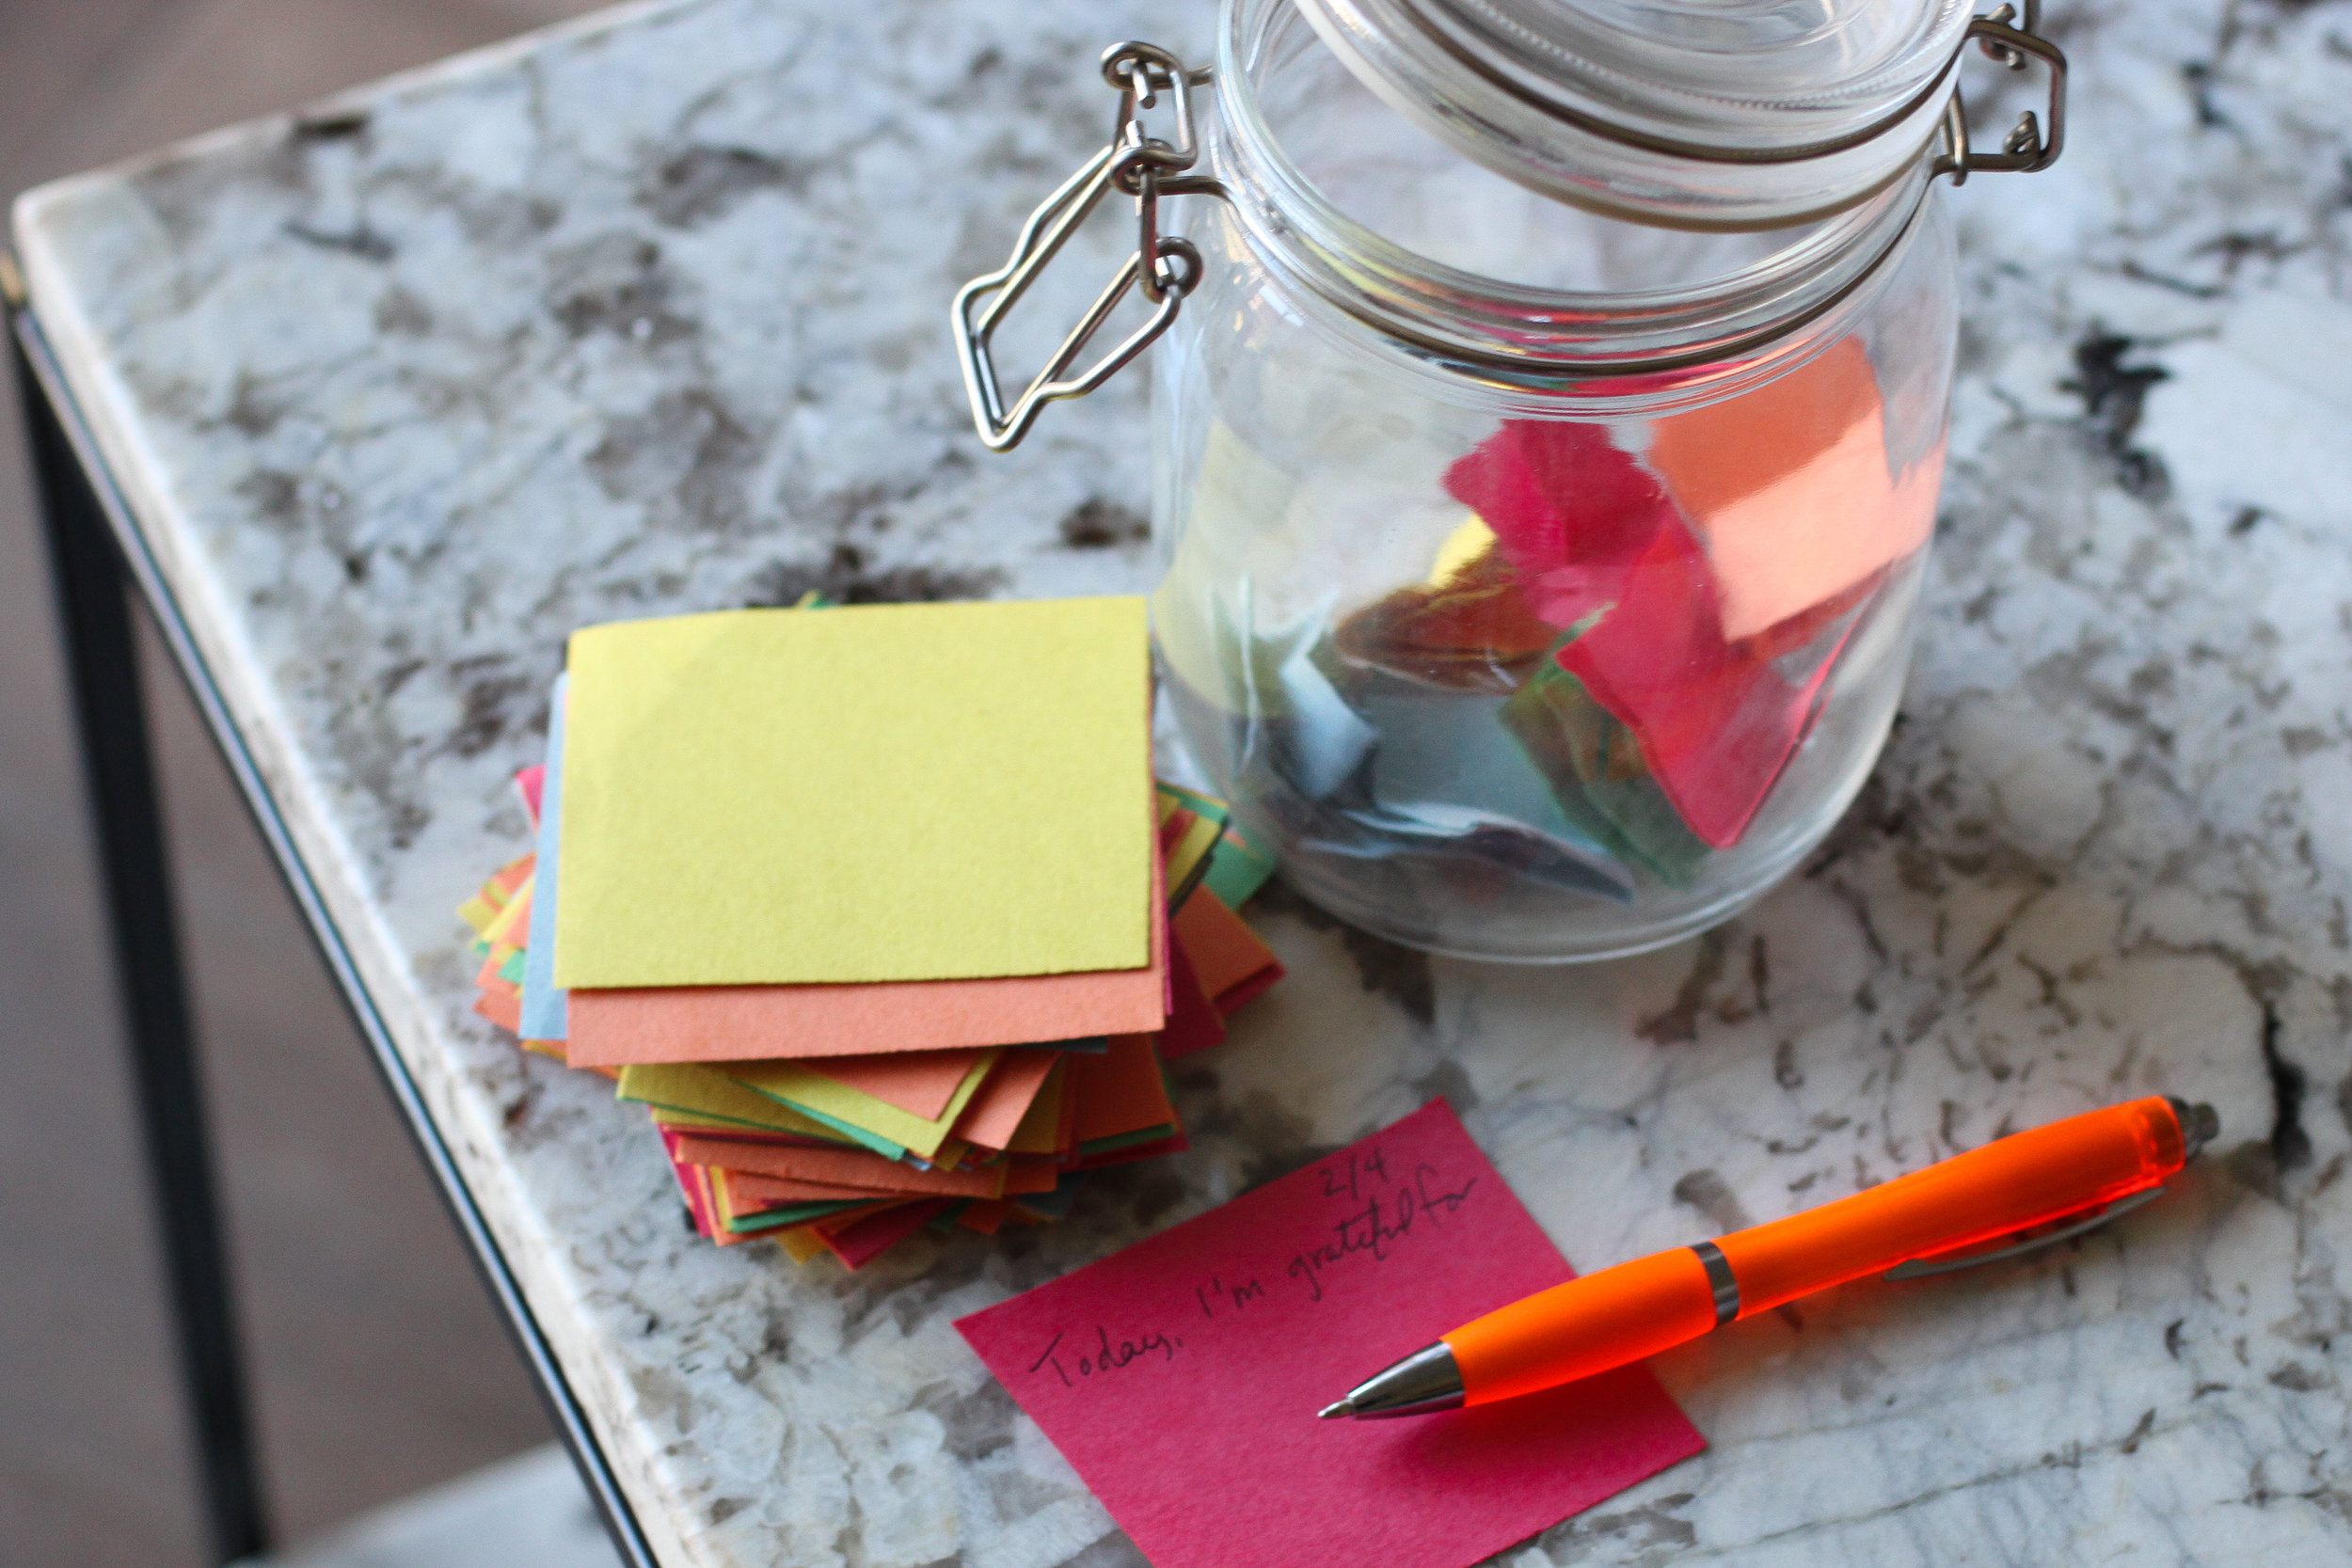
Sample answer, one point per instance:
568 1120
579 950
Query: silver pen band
1720 1280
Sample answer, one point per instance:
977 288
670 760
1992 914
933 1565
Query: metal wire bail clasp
1164 266
2024 149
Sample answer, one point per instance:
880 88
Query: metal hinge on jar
1165 267
2023 150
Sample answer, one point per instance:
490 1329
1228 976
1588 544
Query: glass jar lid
1703 114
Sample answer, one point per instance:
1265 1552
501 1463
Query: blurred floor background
380 1366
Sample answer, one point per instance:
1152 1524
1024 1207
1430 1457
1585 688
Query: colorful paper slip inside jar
1606 557
1791 488
1181 1376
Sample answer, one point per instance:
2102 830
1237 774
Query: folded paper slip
920 1082
837 1104
745 1214
734 1023
1601 553
1153 1145
694 1183
986 1217
530 783
1120 1093
714 1221
1005 1178
482 908
803 1243
703 1091
545 1007
1790 487
698 1125
751 1193
504 922
1041 1129
747 1218
508 929
1236 870
500 1008
1716 723
1056 1203
1600 777
1232 964
1188 839
994 1114
1193 1022
841 1168
806 1241
880 767
869 1238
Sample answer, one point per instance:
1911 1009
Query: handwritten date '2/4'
1373 1230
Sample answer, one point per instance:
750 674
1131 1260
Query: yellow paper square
879 792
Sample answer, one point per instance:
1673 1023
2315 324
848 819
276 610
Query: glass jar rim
1687 340
1690 113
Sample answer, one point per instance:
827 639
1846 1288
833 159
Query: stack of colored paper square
878 910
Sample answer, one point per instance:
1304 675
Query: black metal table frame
98 554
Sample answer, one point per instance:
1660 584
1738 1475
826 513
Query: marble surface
648 316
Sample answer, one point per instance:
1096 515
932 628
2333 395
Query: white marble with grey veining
648 316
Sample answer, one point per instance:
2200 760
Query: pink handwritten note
1181 1376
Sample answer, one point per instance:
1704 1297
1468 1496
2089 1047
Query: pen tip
1334 1412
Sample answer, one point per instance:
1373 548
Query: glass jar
1548 422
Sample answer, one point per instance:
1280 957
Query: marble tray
648 315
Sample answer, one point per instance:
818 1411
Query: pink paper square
1181 1376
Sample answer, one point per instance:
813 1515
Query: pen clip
1920 1268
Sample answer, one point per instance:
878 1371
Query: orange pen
2094 1165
